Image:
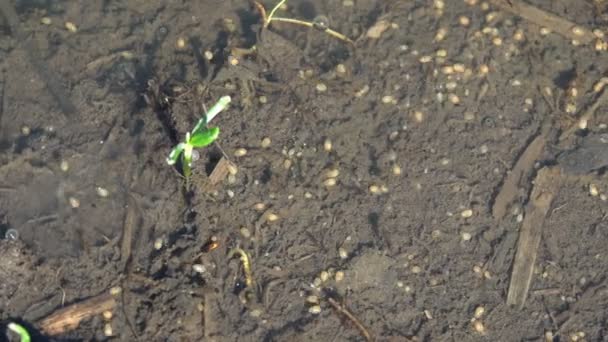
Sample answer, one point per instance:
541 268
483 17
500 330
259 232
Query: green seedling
19 330
200 136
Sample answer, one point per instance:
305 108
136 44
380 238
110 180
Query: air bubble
11 234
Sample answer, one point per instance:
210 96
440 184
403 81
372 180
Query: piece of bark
546 187
68 318
510 187
551 21
220 172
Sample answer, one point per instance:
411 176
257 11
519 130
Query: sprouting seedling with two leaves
200 136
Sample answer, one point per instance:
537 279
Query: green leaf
205 137
219 106
175 153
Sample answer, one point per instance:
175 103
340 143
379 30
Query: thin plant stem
269 18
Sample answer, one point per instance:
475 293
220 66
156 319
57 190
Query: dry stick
541 18
53 86
343 310
509 189
587 115
131 222
69 318
546 187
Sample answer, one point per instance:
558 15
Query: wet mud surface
365 193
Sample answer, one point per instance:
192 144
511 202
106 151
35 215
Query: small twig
343 310
69 318
541 18
269 18
329 31
546 188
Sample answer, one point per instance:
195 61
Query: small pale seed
315 309
327 145
265 142
343 253
324 276
70 26
180 44
245 232
107 315
64 166
479 311
45 21
239 152
466 213
272 217
259 206
332 173
158 244
102 192
74 202
339 276
321 87
479 327
396 170
312 299
593 190
107 329
330 182
115 291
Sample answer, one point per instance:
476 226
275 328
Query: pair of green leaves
199 137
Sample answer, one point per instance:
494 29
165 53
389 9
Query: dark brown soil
415 266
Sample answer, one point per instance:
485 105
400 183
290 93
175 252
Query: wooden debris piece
553 22
510 187
546 187
69 318
220 172
131 223
344 311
